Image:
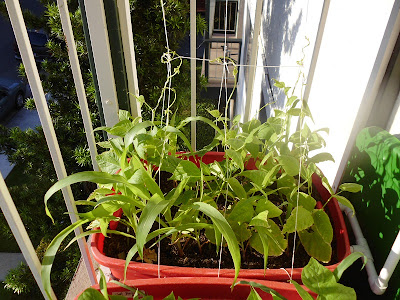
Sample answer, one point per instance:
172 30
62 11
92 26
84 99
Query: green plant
255 208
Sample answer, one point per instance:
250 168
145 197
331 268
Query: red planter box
138 270
201 287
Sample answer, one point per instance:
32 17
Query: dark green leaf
300 219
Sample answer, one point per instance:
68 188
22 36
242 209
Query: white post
253 61
98 32
193 70
21 236
21 35
79 86
129 55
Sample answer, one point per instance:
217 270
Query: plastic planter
200 287
138 270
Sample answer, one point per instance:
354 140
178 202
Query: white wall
285 24
351 59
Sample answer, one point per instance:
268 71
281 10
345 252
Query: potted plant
256 197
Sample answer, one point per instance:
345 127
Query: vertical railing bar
21 236
129 54
21 35
96 20
193 70
253 61
76 72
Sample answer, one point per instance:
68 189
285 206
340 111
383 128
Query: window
219 18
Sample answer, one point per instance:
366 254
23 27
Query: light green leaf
241 231
236 144
92 176
315 245
347 262
186 170
223 226
108 162
320 157
290 164
253 149
242 212
326 184
50 254
300 219
237 188
261 220
265 205
276 240
253 295
322 281
305 200
256 176
323 225
236 157
350 187
215 113
149 214
301 291
133 132
345 202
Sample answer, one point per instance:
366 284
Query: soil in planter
117 246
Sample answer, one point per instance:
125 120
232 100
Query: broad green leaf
345 202
322 281
256 176
250 125
290 164
305 200
179 133
215 113
236 157
347 262
300 219
124 115
315 245
314 275
91 294
265 205
323 225
151 185
276 240
237 188
108 162
264 288
241 231
301 291
186 170
326 185
122 199
149 214
253 149
223 226
51 251
350 187
133 132
242 212
320 157
235 143
261 220
92 176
